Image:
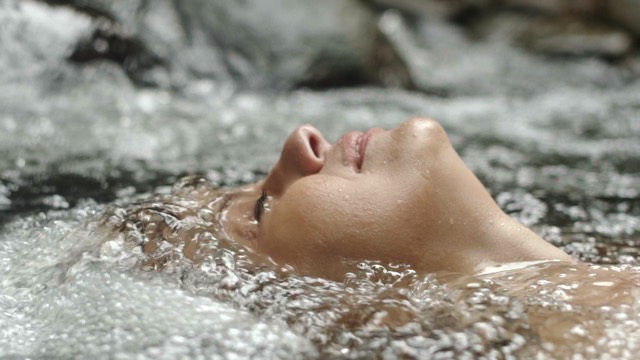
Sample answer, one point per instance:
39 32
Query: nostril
314 142
305 151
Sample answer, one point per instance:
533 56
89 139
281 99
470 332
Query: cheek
317 224
303 220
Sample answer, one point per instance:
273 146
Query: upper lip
355 146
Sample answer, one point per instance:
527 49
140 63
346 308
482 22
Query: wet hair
183 224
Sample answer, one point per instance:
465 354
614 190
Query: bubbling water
92 278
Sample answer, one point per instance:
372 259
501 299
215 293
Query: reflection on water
554 140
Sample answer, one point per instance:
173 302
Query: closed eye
259 208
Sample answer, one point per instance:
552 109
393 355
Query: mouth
355 147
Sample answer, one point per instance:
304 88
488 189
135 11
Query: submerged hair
186 223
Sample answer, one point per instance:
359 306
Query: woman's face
400 196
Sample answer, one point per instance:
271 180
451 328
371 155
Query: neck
502 240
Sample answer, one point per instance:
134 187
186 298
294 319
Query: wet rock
109 9
270 44
462 9
325 43
632 63
145 39
556 7
417 8
506 26
108 41
445 61
550 34
36 39
627 13
573 37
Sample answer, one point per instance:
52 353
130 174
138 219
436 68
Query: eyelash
257 212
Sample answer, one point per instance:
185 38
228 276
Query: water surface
554 140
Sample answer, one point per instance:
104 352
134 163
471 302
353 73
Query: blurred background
102 101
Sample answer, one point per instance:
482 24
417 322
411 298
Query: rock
552 34
417 8
504 26
626 12
118 33
418 60
284 43
574 37
108 41
36 38
557 7
93 8
632 63
258 44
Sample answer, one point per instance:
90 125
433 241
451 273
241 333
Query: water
554 140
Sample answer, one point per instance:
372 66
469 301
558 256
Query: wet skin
399 196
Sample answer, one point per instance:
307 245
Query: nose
305 150
303 154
